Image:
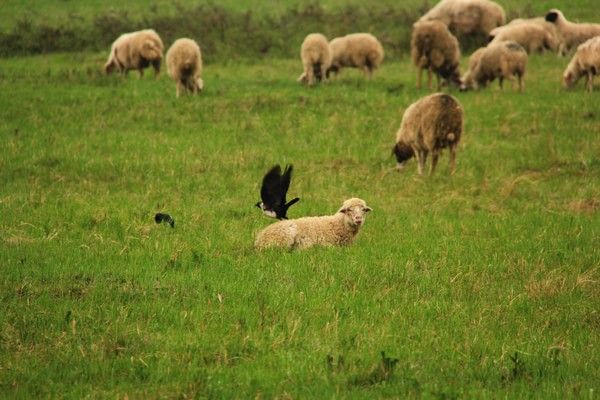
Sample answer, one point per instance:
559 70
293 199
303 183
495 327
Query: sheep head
354 210
554 15
403 153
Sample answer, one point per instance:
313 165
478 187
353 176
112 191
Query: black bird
273 191
160 217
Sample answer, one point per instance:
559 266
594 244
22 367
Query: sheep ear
344 210
368 209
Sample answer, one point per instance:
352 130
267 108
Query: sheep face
355 211
403 153
554 15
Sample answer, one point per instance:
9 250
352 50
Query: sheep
586 61
135 50
356 50
572 34
466 17
534 36
435 48
339 229
429 125
184 64
502 60
316 58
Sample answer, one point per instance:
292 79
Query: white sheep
502 60
465 17
434 48
573 34
534 35
356 50
135 50
429 125
184 64
339 229
586 61
316 58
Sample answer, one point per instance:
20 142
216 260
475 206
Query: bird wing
285 181
271 192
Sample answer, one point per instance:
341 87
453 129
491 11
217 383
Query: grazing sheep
534 36
356 50
428 125
316 58
433 47
586 61
572 34
466 17
184 64
502 60
339 229
135 50
555 36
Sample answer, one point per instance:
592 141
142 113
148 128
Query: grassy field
484 284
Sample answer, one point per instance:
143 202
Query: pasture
484 284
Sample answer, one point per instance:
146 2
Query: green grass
58 11
481 284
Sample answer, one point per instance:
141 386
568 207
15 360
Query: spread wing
272 192
285 181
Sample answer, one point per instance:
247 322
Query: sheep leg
590 81
419 75
521 83
501 82
452 158
310 74
421 159
141 71
156 66
435 154
179 87
429 78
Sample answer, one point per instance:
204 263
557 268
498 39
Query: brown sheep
429 125
434 48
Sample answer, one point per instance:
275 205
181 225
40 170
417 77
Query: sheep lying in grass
534 35
316 58
184 64
357 50
339 229
465 17
429 125
502 60
586 61
434 48
135 50
572 34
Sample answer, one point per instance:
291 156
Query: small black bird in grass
273 191
161 217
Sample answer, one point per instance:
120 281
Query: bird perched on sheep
534 35
466 17
573 34
429 125
316 58
434 48
135 50
356 50
339 229
586 61
502 60
184 64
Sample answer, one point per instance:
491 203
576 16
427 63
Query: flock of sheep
430 124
